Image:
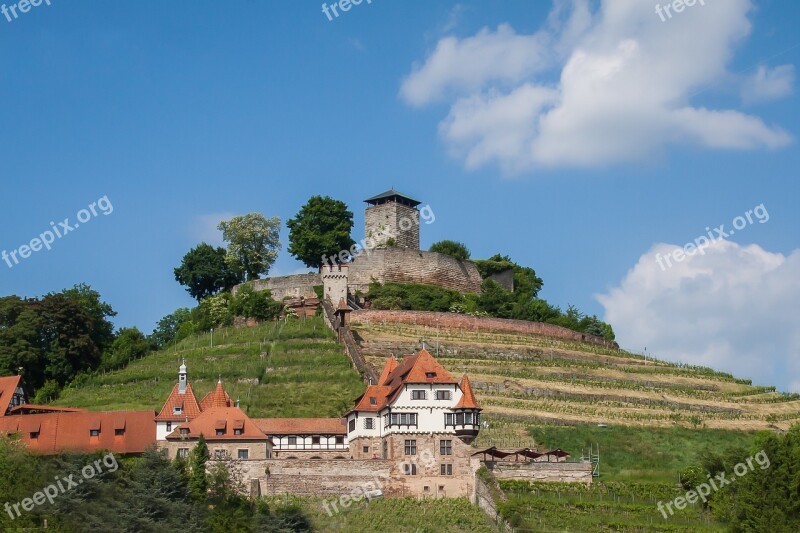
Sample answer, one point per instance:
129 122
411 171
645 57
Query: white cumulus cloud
768 84
733 308
594 88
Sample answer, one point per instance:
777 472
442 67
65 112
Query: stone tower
392 216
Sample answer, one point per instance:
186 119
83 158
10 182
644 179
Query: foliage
320 229
130 344
253 243
198 481
452 248
169 328
205 272
250 303
411 296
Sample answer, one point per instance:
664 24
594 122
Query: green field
280 369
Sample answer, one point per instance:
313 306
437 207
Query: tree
205 272
102 329
253 243
452 248
129 345
168 327
319 230
250 303
198 481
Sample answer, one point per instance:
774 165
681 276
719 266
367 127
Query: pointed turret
467 400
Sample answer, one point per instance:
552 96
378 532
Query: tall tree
253 243
198 482
102 329
205 272
319 230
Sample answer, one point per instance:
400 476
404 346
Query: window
445 447
411 447
183 453
467 419
184 431
449 419
403 419
426 488
417 394
365 449
237 431
34 435
94 432
351 426
314 440
169 426
430 375
177 410
369 423
444 395
292 441
220 432
244 454
373 400
339 440
119 432
446 469
409 469
219 454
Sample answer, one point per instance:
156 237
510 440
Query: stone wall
403 265
542 471
293 286
471 323
321 477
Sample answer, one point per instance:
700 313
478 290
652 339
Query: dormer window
177 410
94 432
237 431
373 400
184 431
430 375
34 435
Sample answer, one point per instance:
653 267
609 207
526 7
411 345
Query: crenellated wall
293 286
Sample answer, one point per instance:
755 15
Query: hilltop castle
389 252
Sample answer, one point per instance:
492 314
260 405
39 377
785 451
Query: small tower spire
182 378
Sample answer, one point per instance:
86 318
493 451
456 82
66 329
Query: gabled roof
226 419
187 402
467 400
301 426
375 398
216 398
8 385
121 432
392 195
31 408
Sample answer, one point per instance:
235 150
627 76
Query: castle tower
334 282
392 217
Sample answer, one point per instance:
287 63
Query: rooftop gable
189 408
8 385
467 400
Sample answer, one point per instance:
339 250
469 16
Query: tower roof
392 196
467 400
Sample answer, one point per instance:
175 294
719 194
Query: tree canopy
253 243
319 230
452 248
205 272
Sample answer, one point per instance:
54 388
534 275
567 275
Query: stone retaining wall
542 471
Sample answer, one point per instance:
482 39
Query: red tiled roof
216 398
220 418
419 368
60 432
187 402
390 365
30 408
301 426
8 384
467 400
374 398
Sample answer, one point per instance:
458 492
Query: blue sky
580 138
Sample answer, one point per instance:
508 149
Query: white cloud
592 88
768 84
733 308
204 229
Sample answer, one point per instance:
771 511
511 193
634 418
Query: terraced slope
294 369
535 379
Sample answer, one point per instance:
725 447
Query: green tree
250 303
102 331
198 480
253 243
168 328
320 229
452 248
129 345
205 272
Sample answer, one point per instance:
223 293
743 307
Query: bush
412 297
452 248
250 303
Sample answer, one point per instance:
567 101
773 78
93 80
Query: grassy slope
295 369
